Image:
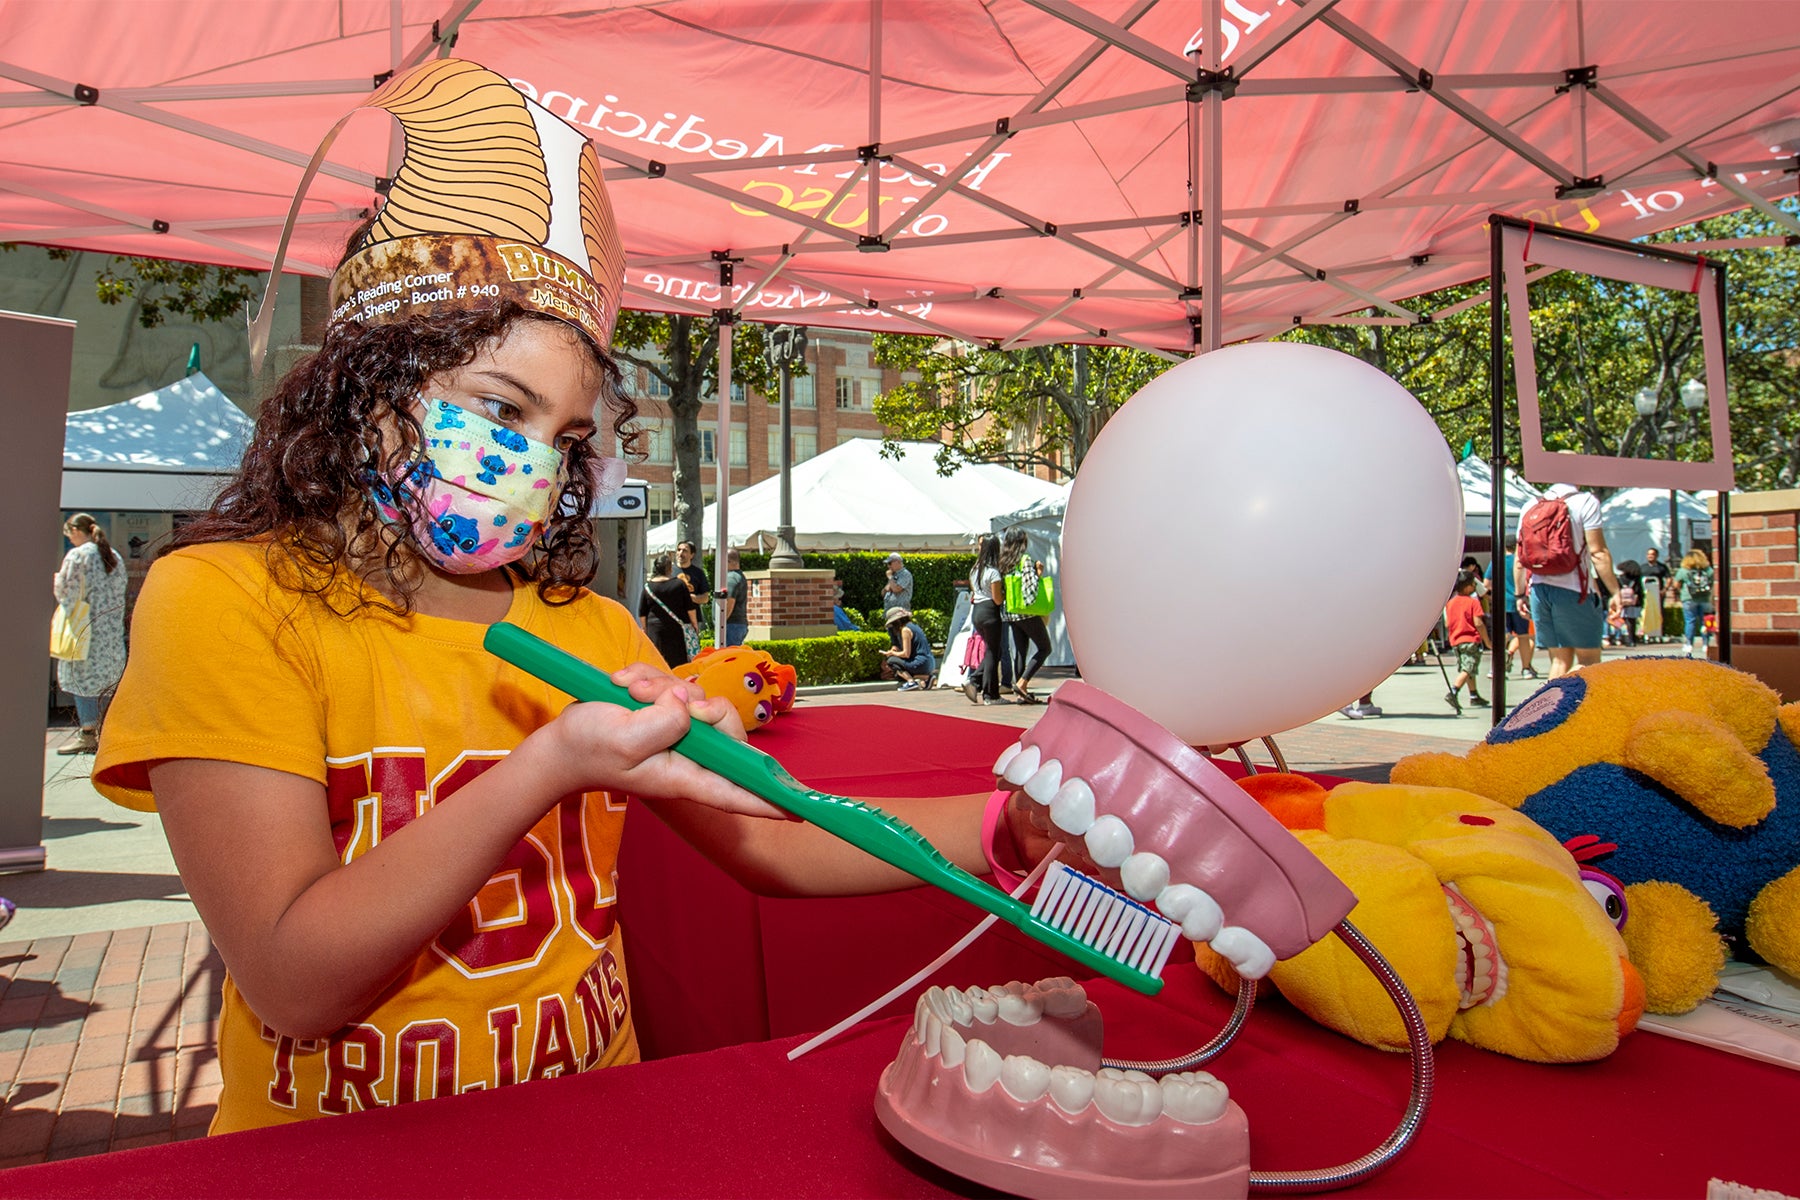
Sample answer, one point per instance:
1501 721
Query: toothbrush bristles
1114 924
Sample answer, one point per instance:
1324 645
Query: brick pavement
107 1038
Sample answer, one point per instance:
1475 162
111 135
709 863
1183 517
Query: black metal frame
1497 222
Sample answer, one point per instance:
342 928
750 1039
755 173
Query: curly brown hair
303 482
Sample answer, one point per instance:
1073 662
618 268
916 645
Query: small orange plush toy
757 686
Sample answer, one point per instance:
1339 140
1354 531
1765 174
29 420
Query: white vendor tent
1636 519
853 498
1477 479
165 451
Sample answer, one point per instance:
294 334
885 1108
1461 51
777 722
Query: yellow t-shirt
387 714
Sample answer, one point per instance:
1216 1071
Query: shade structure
1477 479
852 498
1635 519
165 451
1011 171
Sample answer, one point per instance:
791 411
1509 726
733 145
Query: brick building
1765 587
833 403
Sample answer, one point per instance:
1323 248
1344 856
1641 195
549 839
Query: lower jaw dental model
1007 1085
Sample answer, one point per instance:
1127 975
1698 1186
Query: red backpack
1547 541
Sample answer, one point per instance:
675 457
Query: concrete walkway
109 985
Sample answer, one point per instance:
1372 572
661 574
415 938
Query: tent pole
875 117
727 320
1500 604
1212 184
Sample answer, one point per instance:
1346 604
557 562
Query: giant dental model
1005 1085
1169 828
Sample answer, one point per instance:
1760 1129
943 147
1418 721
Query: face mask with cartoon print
482 492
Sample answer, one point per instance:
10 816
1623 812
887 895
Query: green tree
1035 407
165 288
681 351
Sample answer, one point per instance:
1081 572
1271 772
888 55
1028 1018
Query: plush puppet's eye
1607 892
752 683
763 712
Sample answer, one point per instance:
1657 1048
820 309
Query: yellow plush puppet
1484 916
757 686
1688 771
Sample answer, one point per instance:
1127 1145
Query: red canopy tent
1012 171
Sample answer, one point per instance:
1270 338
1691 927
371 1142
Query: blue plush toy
1690 770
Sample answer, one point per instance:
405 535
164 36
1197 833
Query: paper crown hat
495 198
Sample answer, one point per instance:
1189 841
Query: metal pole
788 344
1212 202
722 463
1497 466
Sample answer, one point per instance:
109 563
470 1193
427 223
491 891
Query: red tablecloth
1656 1119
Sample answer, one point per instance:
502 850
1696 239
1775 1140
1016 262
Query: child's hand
594 747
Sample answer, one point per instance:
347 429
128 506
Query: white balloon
1258 537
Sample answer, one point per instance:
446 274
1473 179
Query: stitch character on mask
482 493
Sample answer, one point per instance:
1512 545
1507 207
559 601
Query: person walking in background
1655 585
734 596
694 575
1027 629
909 657
1467 634
1518 616
92 571
1561 546
1694 580
666 613
1631 600
987 596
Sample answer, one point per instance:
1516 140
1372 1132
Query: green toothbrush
1074 914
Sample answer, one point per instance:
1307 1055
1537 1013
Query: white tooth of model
983 1005
959 1006
981 1065
932 1031
1109 841
1005 759
1019 1009
1044 781
1072 808
1194 1097
1245 951
1144 875
1022 767
1024 1077
1197 913
921 1014
1127 1097
951 1045
939 1003
1071 1088
1066 999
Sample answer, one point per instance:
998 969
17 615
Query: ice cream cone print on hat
494 199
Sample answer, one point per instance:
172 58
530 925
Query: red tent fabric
1037 170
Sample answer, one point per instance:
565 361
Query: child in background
1467 633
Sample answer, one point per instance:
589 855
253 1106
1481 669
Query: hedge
864 573
842 658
